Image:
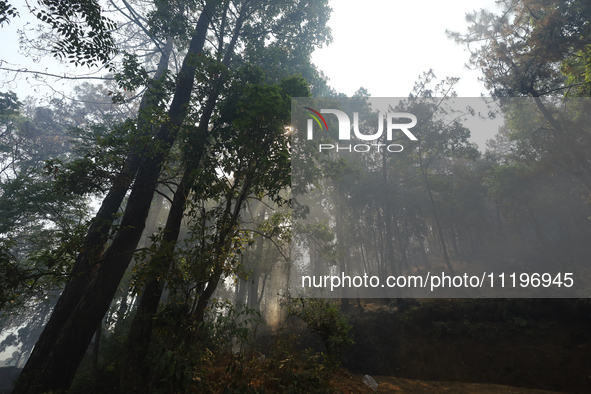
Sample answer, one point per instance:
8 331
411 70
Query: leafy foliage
85 33
40 227
6 12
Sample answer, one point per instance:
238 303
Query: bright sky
384 45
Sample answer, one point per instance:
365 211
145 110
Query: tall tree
521 49
537 48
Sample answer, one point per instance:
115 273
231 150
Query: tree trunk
134 376
255 280
424 253
96 345
454 242
240 294
135 373
388 219
439 230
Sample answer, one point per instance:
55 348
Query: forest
189 222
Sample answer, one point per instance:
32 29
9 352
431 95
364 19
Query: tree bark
97 345
342 241
257 260
134 376
135 373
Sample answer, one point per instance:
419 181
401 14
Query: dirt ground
390 384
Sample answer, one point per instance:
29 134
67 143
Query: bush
325 319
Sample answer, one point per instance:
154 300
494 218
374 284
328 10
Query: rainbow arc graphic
317 115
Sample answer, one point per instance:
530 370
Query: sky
384 45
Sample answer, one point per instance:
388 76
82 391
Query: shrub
325 318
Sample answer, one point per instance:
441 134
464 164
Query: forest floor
474 346
394 385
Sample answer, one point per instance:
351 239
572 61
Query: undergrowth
220 356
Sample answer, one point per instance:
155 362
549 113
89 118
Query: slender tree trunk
96 345
388 219
498 211
240 294
152 219
381 247
342 242
439 230
123 306
424 253
471 241
254 281
254 284
454 242
134 376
